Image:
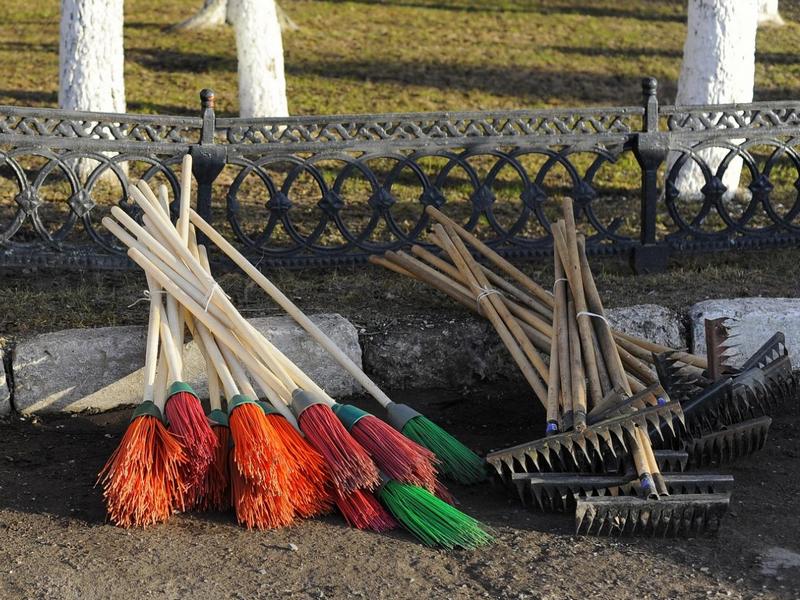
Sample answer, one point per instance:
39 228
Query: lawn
400 55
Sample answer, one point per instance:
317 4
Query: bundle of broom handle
544 297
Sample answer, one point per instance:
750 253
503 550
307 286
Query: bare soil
55 543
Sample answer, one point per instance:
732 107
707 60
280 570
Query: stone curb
5 391
754 321
101 369
418 353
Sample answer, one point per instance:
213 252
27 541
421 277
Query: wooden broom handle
497 321
280 298
152 343
167 343
186 197
214 383
218 329
543 295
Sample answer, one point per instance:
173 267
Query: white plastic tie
586 313
487 292
214 288
146 297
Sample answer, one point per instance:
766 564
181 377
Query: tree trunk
91 58
92 65
718 68
213 14
768 13
259 48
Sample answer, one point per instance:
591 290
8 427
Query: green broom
457 461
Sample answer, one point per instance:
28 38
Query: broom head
255 452
350 465
396 455
189 424
456 460
363 511
142 479
216 487
433 522
255 508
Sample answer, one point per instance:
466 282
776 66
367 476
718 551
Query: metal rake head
679 380
729 444
772 349
719 348
591 450
679 515
561 491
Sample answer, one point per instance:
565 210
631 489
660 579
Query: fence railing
303 191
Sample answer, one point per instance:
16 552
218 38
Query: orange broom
142 479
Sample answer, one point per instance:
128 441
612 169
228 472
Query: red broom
394 454
216 493
363 511
350 465
142 483
188 422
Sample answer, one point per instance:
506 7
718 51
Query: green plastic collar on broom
348 414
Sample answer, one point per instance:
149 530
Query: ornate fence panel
321 191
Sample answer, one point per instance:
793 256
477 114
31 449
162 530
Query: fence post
650 148
208 158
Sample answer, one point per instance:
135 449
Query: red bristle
216 493
350 465
443 494
396 455
254 451
309 489
363 511
255 508
142 479
189 423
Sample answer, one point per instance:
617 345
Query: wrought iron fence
304 191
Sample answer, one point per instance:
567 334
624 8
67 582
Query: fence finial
650 101
207 98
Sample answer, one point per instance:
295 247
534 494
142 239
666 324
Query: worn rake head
590 450
719 348
729 444
561 491
678 515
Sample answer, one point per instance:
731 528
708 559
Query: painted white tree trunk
259 48
213 14
768 13
718 68
91 59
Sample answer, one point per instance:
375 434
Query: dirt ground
55 543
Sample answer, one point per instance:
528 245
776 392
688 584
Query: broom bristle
254 450
395 454
433 522
351 467
216 489
363 511
189 424
255 507
142 479
443 494
457 461
309 489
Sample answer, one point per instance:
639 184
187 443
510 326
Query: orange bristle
216 493
142 479
256 455
363 511
350 465
256 508
309 488
395 454
189 424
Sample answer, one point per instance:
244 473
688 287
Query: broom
142 479
350 465
457 461
429 519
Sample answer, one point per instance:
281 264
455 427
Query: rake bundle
294 453
619 409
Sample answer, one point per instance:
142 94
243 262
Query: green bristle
457 461
434 522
